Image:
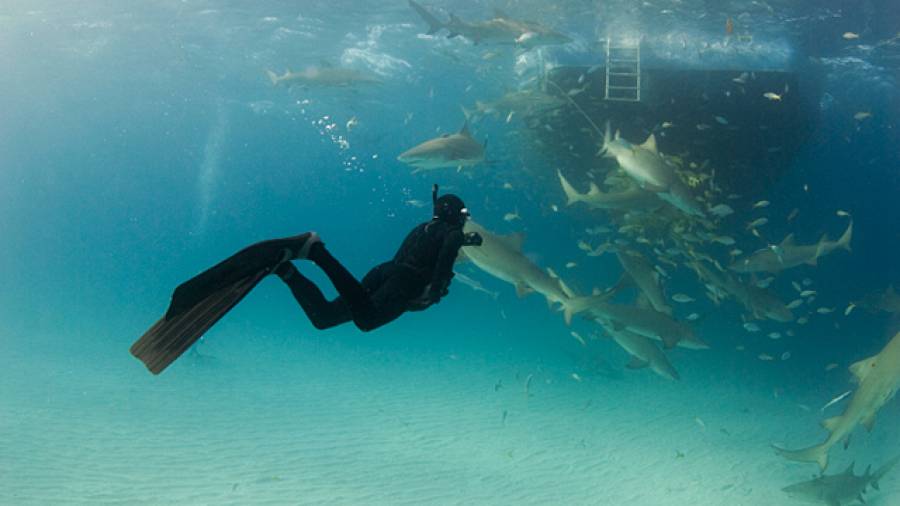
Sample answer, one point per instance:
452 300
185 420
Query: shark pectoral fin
817 454
636 363
522 289
861 369
814 260
831 424
869 422
847 441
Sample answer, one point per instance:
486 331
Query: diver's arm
443 269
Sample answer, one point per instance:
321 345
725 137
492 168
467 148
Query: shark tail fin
817 454
607 138
434 24
272 77
844 241
572 195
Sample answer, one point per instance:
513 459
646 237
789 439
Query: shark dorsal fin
849 469
861 369
617 136
788 240
465 129
650 144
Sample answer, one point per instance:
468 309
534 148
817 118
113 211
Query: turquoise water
142 143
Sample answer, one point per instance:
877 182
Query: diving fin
200 302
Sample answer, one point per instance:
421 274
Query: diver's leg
321 312
350 290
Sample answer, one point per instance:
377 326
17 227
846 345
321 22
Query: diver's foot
311 241
285 270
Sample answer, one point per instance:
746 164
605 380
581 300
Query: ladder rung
623 60
630 74
622 87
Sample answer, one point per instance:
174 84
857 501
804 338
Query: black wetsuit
424 260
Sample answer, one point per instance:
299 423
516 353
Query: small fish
786 355
555 208
720 120
703 126
741 79
764 283
850 36
740 347
528 385
837 399
757 223
793 214
723 239
802 320
807 282
775 335
796 286
862 115
736 252
512 216
775 97
682 298
507 186
831 367
570 265
415 203
700 422
760 204
721 210
807 293
576 377
825 310
667 124
766 357
790 333
578 338
842 213
693 317
661 271
794 304
751 327
849 309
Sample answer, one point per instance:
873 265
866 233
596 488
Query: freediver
417 277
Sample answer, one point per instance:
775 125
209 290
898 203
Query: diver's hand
472 239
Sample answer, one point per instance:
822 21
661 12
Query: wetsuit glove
472 239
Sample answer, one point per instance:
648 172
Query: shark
645 277
501 256
878 378
642 321
643 351
839 489
788 254
526 102
761 302
324 76
644 164
887 301
631 198
449 150
501 29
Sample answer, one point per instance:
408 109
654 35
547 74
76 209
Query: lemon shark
449 150
643 351
642 321
761 302
645 277
839 489
525 102
501 256
788 254
501 29
651 171
631 198
324 76
878 378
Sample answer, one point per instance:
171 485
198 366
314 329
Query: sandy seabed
312 421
